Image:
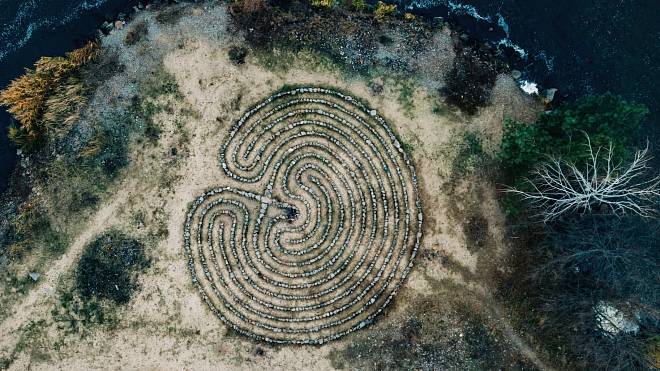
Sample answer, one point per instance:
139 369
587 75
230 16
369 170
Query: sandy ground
166 325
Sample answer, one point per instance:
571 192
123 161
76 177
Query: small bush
384 10
109 266
358 5
327 4
409 17
237 54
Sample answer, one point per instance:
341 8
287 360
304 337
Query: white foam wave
503 25
458 8
508 43
529 87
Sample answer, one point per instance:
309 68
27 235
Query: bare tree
560 187
589 264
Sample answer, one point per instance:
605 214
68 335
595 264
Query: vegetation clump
472 77
409 16
566 134
323 3
248 6
384 10
605 119
470 155
33 228
27 97
237 54
109 267
358 5
448 334
594 288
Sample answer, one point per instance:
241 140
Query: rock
613 321
548 95
106 27
35 276
259 351
529 87
516 74
376 86
119 25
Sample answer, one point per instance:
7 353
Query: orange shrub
26 96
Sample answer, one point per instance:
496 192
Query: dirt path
32 305
516 340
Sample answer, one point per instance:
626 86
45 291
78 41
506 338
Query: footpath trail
31 306
519 343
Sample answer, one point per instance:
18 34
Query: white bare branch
560 187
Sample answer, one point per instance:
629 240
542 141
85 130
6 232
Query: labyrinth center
317 226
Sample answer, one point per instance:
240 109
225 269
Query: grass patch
451 333
408 148
75 315
33 228
470 155
32 338
150 102
406 96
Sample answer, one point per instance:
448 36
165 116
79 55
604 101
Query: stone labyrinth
317 226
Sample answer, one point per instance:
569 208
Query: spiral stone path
317 227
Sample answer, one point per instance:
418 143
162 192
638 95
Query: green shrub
327 4
359 5
563 132
74 315
108 267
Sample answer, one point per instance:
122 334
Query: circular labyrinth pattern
318 227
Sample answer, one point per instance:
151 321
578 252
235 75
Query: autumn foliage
27 97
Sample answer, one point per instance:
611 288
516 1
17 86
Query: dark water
581 47
33 28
